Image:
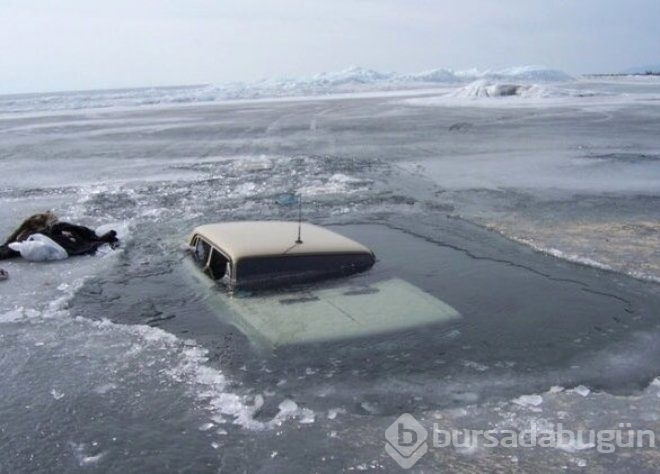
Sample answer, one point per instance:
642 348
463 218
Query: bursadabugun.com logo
406 439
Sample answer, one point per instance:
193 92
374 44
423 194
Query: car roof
275 238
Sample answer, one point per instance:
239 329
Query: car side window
217 265
202 251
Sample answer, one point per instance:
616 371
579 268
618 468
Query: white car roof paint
272 238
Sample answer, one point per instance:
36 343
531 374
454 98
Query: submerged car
267 254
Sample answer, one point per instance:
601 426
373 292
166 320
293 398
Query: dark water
527 320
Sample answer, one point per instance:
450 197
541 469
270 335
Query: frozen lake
536 216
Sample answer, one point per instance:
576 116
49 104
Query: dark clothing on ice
36 224
79 240
6 252
75 239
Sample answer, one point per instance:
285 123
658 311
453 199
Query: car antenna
299 240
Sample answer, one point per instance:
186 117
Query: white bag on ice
39 248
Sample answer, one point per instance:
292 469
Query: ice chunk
333 412
528 400
56 395
287 407
307 416
581 390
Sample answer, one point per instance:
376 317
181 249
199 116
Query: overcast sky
88 44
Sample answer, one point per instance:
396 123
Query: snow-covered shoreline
351 80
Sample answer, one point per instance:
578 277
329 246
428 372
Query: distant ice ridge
353 79
355 76
486 92
515 74
483 88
